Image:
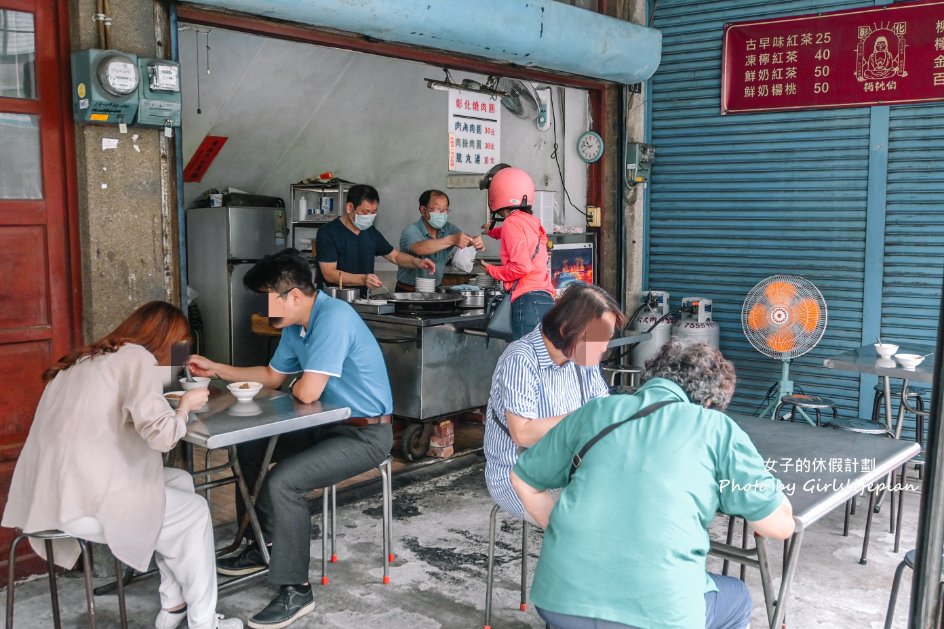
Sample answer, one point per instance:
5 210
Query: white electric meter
118 74
164 77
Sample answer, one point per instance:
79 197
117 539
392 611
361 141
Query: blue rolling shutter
914 228
737 198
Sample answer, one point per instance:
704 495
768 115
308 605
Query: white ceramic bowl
244 391
909 361
885 350
201 383
173 398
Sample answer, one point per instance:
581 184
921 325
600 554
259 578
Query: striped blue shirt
529 384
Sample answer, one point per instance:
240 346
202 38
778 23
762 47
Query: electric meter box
104 86
639 158
158 93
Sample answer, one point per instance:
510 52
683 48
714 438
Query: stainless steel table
815 492
865 360
225 422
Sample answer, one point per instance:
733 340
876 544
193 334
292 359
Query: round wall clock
590 146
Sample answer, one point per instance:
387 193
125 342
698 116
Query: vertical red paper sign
203 157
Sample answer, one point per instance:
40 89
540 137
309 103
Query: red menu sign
874 56
203 157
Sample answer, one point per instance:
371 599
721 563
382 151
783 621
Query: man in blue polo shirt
432 237
347 247
340 363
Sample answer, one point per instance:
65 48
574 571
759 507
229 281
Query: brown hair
157 326
566 322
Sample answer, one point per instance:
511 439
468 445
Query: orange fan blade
783 340
780 293
806 313
758 317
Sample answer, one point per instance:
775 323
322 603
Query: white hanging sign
474 131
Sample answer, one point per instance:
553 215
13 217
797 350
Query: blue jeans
528 310
728 608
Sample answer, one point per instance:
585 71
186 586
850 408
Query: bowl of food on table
244 391
173 398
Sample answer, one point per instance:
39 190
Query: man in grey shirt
432 237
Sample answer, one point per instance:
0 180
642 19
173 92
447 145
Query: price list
844 59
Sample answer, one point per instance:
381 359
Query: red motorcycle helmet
509 188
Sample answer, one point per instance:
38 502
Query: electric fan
783 317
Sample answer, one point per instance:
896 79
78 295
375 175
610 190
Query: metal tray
372 309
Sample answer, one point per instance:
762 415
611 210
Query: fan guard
784 316
522 100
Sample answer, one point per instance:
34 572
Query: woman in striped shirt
542 377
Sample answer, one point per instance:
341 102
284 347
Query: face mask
364 221
437 220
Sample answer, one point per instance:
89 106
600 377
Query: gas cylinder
695 325
656 307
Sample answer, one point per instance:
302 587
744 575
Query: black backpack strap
578 458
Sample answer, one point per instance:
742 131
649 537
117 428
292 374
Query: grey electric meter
159 93
104 86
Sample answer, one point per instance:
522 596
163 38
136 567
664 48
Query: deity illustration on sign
880 53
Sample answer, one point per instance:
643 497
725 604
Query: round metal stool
806 402
863 426
633 374
48 537
917 396
329 522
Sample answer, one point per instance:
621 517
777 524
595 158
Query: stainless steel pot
344 294
470 298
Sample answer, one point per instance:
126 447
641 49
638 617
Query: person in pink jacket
523 253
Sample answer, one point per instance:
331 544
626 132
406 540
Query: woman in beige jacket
92 466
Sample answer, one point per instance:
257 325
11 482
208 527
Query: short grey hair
706 376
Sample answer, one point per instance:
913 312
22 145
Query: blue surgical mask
364 221
437 219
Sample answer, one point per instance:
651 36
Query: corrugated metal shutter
914 228
737 198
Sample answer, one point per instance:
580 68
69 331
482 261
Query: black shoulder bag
575 463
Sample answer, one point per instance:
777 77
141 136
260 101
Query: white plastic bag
464 258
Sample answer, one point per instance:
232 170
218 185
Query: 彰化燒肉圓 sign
860 57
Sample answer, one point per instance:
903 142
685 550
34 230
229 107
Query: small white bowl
201 383
244 391
173 398
909 361
885 350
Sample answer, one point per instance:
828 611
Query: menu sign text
874 56
474 131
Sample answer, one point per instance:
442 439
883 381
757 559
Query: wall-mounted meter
104 86
159 93
639 158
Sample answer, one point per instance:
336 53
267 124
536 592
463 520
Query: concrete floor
438 578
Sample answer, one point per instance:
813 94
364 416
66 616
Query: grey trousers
305 460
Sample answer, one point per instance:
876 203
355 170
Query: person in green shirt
625 545
432 237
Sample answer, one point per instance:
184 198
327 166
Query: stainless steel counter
471 318
438 363
865 360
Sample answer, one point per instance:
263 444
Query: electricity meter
104 86
639 158
159 93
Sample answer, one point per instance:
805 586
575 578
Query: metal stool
634 375
48 537
807 402
491 566
386 479
908 561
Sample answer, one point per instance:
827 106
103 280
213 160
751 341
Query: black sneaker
248 561
291 603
